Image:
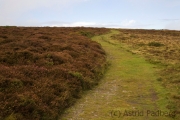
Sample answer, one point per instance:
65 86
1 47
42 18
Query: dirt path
128 91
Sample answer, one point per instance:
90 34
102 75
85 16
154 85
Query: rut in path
128 88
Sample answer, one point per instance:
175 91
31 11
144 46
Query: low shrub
44 70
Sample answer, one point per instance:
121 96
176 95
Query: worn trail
129 90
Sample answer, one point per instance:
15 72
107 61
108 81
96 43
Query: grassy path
128 91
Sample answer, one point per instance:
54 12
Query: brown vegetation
43 70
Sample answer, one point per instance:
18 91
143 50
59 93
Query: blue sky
145 14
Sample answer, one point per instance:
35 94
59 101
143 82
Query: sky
135 14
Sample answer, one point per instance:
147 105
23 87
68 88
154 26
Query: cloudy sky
146 14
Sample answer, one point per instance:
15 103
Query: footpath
128 91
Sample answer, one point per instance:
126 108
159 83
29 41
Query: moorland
161 48
44 70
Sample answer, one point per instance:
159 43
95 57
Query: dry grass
161 47
44 70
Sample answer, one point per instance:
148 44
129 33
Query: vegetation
44 70
160 47
130 85
155 44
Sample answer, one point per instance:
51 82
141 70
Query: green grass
130 84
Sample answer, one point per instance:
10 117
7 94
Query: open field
44 70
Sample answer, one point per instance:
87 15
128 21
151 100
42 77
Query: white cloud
123 24
128 23
73 24
87 24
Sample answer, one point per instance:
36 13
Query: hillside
44 70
